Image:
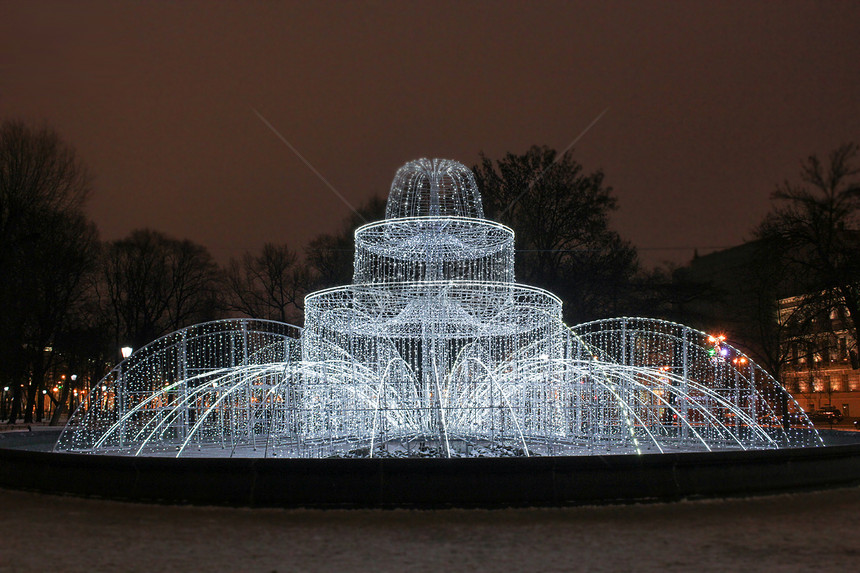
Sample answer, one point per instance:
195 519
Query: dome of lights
434 188
435 351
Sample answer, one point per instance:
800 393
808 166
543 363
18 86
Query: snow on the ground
792 532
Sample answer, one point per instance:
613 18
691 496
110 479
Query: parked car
826 415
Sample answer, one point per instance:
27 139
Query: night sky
710 105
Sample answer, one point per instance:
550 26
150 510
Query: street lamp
119 392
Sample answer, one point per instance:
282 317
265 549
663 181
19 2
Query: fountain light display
435 350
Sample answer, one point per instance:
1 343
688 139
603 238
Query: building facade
821 364
744 294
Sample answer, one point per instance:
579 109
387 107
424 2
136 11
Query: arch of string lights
434 350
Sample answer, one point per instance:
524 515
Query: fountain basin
431 482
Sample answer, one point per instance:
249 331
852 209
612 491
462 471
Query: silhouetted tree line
69 301
47 251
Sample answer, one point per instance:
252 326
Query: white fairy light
434 350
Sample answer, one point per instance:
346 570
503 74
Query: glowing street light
715 341
126 351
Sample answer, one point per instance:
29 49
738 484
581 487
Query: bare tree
270 285
816 228
46 248
152 285
66 255
561 218
39 175
330 256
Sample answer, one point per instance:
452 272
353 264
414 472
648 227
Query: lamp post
72 384
119 392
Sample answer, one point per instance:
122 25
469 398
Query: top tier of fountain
434 229
434 188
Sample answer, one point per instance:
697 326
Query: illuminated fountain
435 350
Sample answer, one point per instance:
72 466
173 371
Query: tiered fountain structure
435 351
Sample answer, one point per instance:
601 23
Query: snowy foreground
817 531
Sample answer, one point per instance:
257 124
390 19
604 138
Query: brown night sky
710 104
